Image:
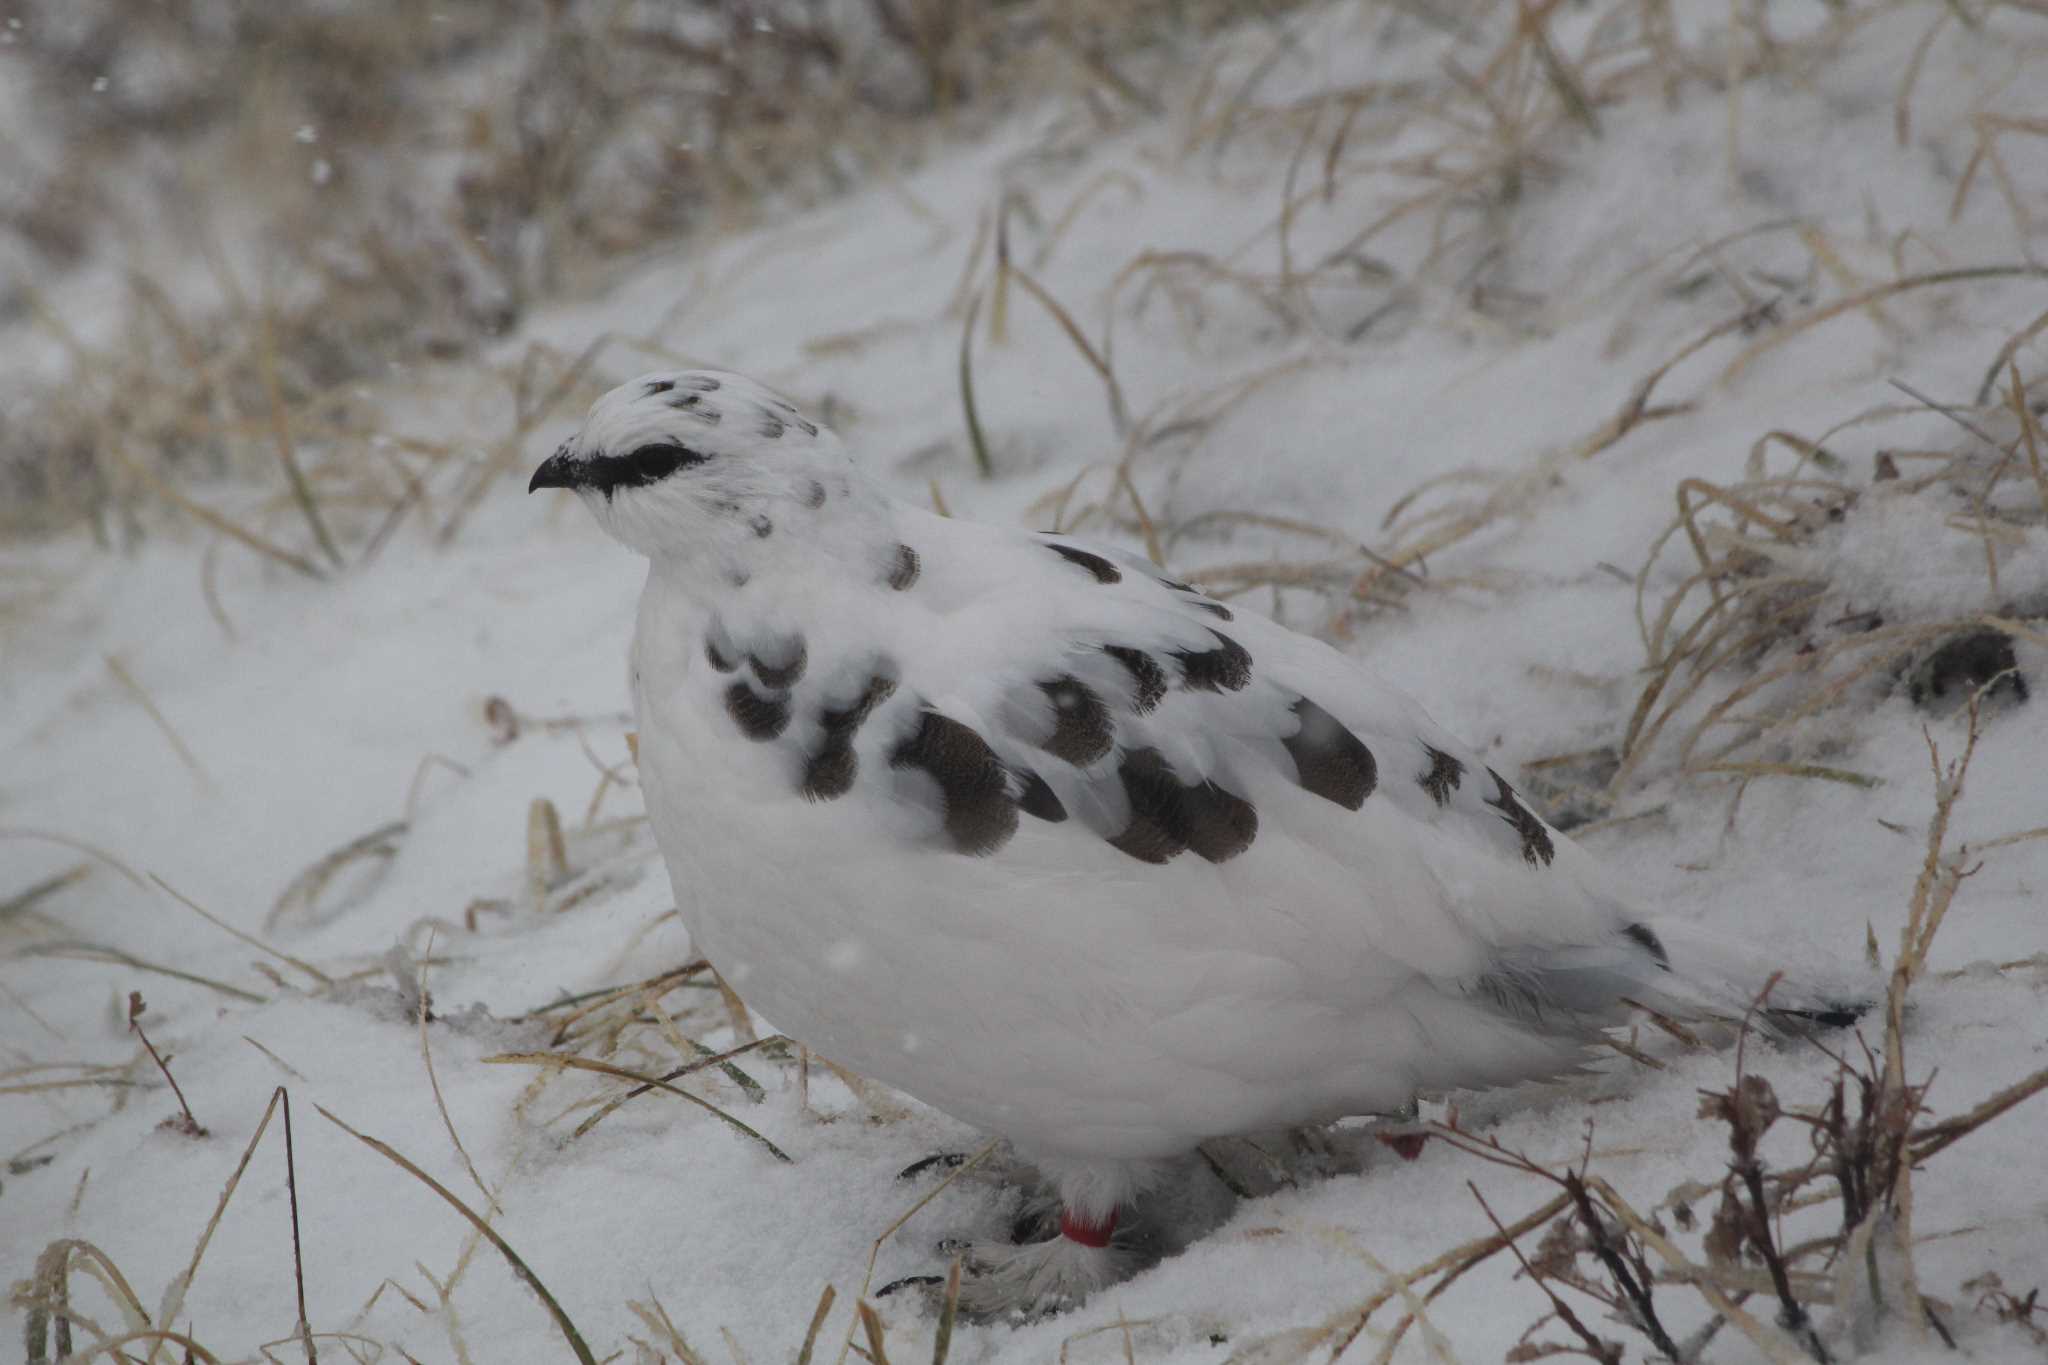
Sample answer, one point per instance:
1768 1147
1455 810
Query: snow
316 713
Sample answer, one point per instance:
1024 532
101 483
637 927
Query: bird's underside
1063 847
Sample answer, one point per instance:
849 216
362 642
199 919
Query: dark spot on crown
1148 679
814 495
779 663
658 386
1177 585
759 717
1649 942
692 405
830 771
786 410
1169 816
702 383
980 816
1226 668
1537 849
770 426
715 652
903 571
1037 799
1082 731
1329 760
1104 571
1443 775
1214 608
762 527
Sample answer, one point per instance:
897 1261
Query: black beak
556 471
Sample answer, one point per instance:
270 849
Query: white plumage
1060 847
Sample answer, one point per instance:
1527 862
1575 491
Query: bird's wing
1055 706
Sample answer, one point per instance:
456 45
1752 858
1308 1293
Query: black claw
932 1281
937 1160
1826 1016
1035 1226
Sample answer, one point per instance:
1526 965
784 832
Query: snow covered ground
1374 250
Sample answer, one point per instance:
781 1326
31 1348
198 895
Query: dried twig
190 1126
1607 1352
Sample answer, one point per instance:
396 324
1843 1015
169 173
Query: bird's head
701 465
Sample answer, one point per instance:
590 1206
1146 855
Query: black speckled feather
980 815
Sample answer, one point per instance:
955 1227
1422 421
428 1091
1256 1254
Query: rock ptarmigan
1061 846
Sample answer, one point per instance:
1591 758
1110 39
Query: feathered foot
1081 1226
1038 1278
1032 1279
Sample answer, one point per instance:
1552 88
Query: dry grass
627 1021
51 1317
448 172
1492 134
1768 626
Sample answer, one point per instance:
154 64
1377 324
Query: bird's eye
662 458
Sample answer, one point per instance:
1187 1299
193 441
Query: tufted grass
448 173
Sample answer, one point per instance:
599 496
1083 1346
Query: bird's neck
771 548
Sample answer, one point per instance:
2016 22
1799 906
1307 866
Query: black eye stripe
663 458
638 467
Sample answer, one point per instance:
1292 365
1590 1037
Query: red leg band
1407 1146
1087 1234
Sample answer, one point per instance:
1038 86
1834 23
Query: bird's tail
1674 970
1704 976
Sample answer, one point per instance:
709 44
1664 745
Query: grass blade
621 1073
975 439
489 1233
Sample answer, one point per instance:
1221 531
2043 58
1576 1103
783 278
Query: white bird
1060 846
